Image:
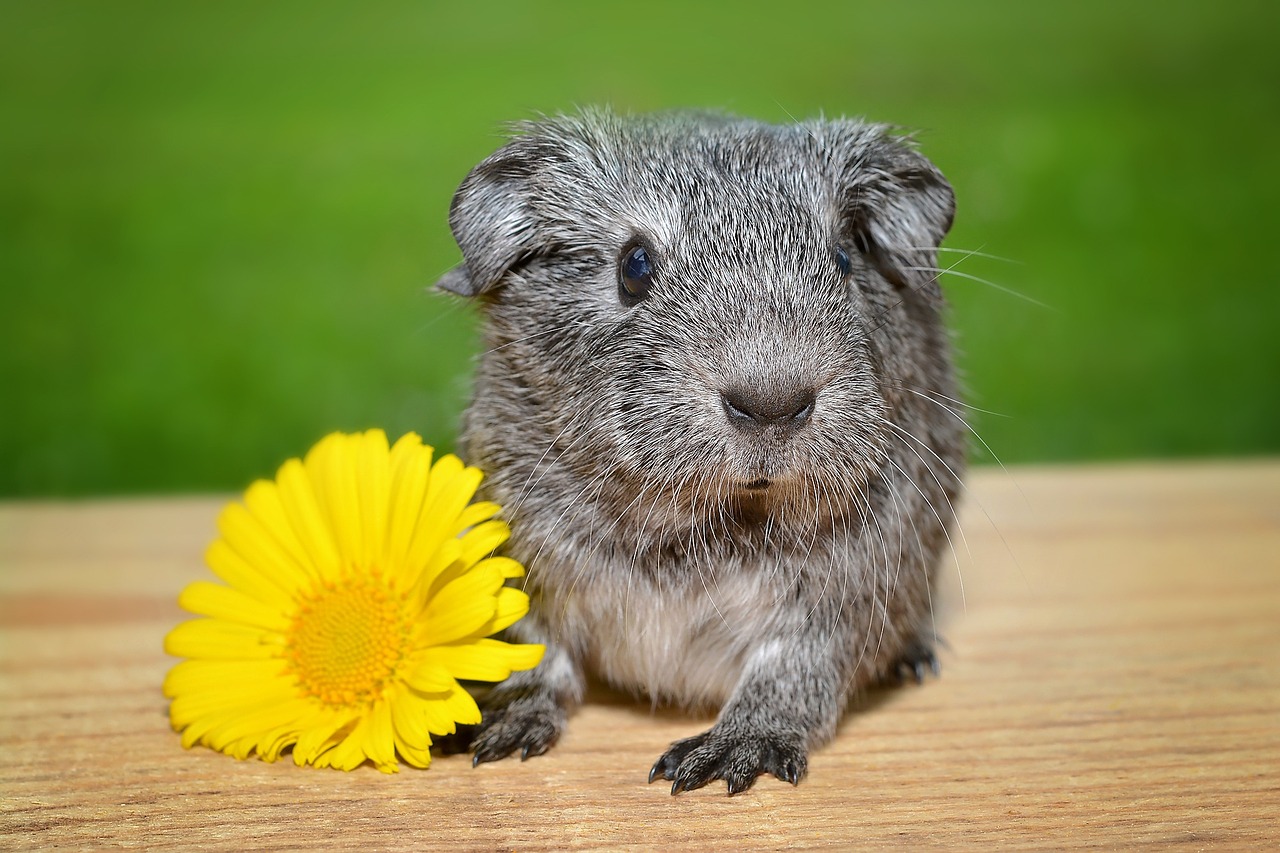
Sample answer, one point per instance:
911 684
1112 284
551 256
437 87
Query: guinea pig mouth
757 485
750 509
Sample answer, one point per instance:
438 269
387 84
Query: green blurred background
218 220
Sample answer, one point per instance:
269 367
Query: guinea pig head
700 322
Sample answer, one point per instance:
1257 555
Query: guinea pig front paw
917 660
530 723
737 758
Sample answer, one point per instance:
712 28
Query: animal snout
758 408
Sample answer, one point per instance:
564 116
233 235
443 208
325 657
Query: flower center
347 639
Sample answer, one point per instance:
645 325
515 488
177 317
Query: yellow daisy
357 592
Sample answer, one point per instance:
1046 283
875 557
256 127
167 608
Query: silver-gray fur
734 490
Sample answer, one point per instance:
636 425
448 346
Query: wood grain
1113 680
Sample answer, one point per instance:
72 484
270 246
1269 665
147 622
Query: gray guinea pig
716 400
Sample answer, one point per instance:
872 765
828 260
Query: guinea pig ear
492 221
901 208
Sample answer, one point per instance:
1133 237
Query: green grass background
218 220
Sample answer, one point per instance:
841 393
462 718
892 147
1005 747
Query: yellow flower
357 592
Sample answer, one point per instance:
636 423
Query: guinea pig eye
635 274
843 262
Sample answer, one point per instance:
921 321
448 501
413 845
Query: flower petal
413 737
266 586
380 741
509 567
197 713
215 639
481 540
325 732
484 660
373 478
450 488
462 606
443 473
443 563
426 676
221 718
411 754
331 467
221 602
263 501
427 713
473 545
302 508
252 540
410 465
462 707
351 751
238 733
298 715
513 604
476 513
216 678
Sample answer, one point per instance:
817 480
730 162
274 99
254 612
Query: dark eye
843 262
635 274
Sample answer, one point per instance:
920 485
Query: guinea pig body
716 401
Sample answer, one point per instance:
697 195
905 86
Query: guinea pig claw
917 661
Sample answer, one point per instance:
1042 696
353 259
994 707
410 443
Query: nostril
737 407
802 414
755 408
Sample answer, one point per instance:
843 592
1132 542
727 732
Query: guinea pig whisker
884 549
880 605
968 253
584 561
903 436
956 415
940 271
601 538
937 272
523 493
541 333
941 399
841 573
907 434
575 504
933 509
1008 550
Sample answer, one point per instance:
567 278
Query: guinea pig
716 399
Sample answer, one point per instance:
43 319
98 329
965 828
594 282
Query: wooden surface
1113 680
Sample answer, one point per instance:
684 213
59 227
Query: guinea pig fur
717 403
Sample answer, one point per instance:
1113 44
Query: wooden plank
1113 679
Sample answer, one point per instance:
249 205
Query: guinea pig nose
763 407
